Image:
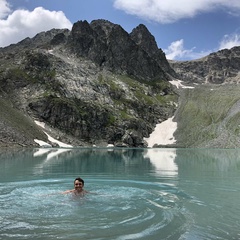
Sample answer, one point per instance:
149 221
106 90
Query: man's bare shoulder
74 191
68 191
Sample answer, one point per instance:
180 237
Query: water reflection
160 161
163 160
93 160
215 160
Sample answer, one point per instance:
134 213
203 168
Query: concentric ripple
117 209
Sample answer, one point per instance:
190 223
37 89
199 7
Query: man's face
78 185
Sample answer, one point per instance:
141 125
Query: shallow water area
134 194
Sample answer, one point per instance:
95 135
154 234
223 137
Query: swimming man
78 187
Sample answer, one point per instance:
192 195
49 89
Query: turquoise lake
135 194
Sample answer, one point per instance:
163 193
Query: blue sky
184 29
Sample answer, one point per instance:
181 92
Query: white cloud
23 23
176 51
230 41
168 11
4 9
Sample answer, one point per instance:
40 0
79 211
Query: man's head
78 183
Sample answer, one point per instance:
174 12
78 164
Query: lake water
138 194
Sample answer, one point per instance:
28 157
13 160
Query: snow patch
42 143
163 133
60 144
51 139
40 124
178 84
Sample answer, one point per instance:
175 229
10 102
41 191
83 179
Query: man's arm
68 191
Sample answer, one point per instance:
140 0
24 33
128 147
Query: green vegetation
233 125
132 96
206 114
80 110
37 60
112 120
147 92
39 68
17 74
16 120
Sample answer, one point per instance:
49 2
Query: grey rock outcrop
143 38
110 46
217 68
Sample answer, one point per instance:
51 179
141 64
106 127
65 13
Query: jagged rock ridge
91 85
109 45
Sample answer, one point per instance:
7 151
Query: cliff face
92 85
110 46
217 68
143 38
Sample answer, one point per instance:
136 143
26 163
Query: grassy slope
209 116
15 128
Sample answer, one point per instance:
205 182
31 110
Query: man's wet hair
79 179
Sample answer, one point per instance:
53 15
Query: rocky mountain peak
102 27
82 38
145 40
110 46
142 37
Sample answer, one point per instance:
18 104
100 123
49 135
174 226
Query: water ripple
120 210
